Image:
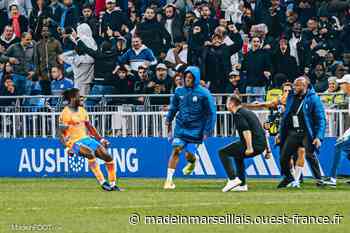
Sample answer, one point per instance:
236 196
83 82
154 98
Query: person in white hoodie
82 64
342 147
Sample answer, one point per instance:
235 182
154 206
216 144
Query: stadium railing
124 122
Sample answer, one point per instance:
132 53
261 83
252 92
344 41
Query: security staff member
302 125
252 142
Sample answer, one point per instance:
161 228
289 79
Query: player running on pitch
82 139
195 120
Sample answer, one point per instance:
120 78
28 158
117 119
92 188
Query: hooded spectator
82 64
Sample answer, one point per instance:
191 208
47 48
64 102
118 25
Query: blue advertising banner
138 157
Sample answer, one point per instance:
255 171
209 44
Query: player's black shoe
285 183
320 183
117 189
105 186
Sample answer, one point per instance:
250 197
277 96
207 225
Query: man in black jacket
257 64
283 63
216 62
173 22
154 34
206 22
115 19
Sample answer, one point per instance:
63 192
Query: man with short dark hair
8 37
252 143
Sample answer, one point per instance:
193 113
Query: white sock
297 173
170 174
292 171
112 184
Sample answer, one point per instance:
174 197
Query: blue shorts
187 147
89 143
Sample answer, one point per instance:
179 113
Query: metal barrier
122 122
106 103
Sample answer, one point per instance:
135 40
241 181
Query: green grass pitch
78 205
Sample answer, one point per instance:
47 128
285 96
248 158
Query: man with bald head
303 125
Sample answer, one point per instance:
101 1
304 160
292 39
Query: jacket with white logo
195 108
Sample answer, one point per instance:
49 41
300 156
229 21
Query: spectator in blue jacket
195 121
303 124
59 83
138 55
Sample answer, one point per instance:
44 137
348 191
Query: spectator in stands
21 56
161 82
89 18
333 95
142 83
8 89
121 46
330 62
298 48
196 45
319 79
137 55
124 81
257 65
38 17
18 21
56 9
4 19
70 17
105 59
177 55
59 83
24 6
46 52
216 62
190 18
7 73
82 64
235 85
153 34
7 38
341 70
283 63
115 19
173 22
178 82
206 22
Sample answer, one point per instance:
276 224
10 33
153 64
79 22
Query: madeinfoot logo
76 163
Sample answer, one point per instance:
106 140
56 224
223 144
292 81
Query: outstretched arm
93 132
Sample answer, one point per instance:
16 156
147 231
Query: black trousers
236 150
290 147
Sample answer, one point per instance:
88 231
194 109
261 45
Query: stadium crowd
142 47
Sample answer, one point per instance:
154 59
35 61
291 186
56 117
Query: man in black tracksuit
252 142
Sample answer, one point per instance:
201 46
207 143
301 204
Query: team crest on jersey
195 99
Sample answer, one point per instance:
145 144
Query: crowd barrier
121 122
139 157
